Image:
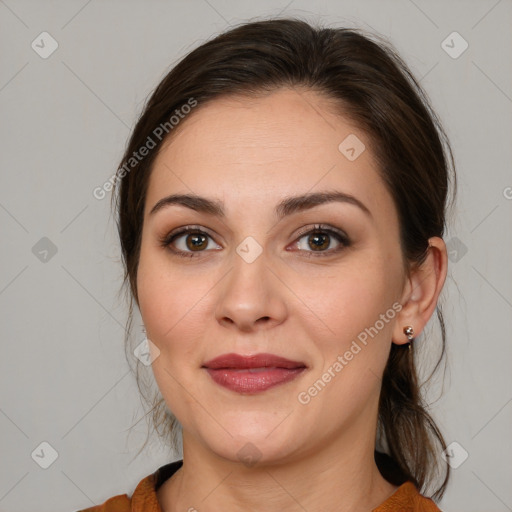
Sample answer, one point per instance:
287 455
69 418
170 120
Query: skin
251 154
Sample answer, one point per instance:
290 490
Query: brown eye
187 241
318 241
196 241
322 241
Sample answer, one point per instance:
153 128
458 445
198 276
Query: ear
421 291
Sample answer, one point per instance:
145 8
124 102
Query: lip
252 374
239 362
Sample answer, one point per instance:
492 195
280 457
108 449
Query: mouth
257 361
252 374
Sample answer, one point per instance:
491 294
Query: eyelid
323 227
189 227
343 239
168 238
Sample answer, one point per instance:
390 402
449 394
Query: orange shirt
405 499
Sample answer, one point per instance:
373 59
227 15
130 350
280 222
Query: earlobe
421 292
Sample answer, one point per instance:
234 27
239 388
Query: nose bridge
251 292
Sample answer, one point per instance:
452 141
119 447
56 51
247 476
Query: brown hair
372 87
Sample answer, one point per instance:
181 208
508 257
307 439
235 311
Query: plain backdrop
65 119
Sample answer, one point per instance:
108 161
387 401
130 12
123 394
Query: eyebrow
287 206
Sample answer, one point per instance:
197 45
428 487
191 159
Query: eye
188 241
319 241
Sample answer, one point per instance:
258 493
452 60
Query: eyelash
340 236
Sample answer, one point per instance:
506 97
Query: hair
363 76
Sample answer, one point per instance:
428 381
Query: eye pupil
320 241
196 241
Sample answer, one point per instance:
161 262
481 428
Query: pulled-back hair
372 87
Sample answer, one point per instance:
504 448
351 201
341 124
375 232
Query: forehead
282 143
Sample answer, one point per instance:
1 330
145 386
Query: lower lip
253 381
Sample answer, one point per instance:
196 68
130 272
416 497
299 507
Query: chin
254 453
253 446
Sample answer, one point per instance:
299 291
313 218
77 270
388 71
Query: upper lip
255 361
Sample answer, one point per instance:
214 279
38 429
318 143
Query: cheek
172 303
171 313
352 329
350 300
352 332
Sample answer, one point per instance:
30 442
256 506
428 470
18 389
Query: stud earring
409 332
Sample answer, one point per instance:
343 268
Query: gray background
65 121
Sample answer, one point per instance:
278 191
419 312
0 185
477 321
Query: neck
340 476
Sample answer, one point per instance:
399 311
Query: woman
281 207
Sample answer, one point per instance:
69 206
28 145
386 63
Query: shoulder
407 499
144 498
120 503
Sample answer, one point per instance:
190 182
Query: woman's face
257 281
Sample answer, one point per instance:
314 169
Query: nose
251 297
